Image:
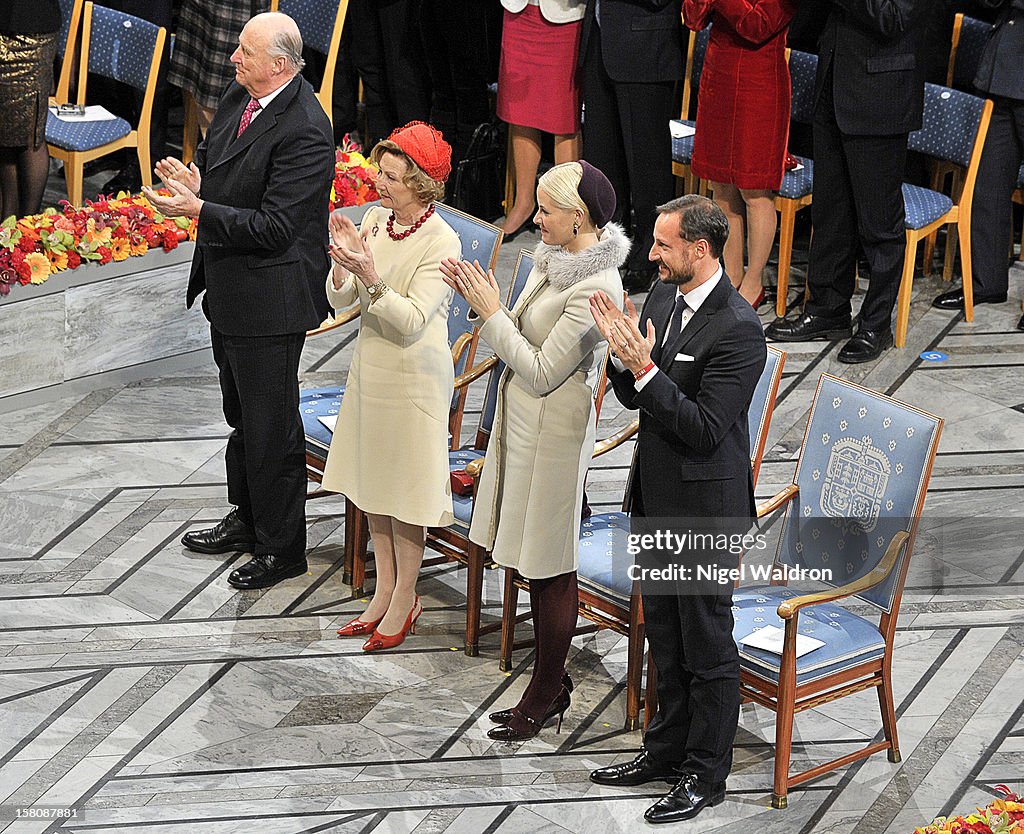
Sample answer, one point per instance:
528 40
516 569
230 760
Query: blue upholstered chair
682 146
608 598
320 23
969 38
123 48
954 128
70 22
852 509
797 186
480 241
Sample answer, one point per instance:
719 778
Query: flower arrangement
115 228
1002 816
354 177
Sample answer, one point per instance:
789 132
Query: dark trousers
265 457
858 207
992 207
690 639
625 134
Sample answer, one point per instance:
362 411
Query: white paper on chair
679 130
93 113
770 639
799 167
330 422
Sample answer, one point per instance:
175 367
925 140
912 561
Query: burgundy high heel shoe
357 627
508 732
505 715
378 641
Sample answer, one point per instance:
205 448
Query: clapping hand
476 286
622 331
182 201
350 250
174 169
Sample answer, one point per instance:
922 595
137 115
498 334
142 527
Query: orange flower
58 260
120 248
40 266
139 247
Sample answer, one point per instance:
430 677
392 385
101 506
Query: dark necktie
675 324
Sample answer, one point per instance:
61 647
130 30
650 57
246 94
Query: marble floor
140 690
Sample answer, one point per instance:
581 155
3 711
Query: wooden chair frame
74 161
67 62
691 185
597 608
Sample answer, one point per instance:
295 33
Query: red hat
425 146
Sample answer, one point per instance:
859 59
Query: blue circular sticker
934 356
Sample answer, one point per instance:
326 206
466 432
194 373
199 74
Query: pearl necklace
403 235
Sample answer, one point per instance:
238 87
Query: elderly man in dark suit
1000 77
690 363
260 188
632 53
869 97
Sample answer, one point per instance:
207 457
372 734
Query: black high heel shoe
531 726
526 227
505 715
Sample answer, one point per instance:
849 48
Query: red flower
17 258
27 244
74 259
24 273
170 241
106 256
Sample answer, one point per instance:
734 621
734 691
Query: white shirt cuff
647 377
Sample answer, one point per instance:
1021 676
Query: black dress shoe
866 346
265 570
954 299
687 799
229 535
503 716
526 228
639 280
809 327
641 770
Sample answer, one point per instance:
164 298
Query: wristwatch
376 290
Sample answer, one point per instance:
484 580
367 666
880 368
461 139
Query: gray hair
699 219
287 44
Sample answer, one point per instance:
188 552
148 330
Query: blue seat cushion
315 403
682 146
849 639
84 136
462 505
604 560
923 205
797 184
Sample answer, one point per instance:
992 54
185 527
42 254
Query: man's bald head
269 53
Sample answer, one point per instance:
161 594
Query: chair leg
475 556
349 548
145 161
785 698
906 288
73 175
355 517
929 242
651 692
967 268
634 664
509 609
190 137
787 222
888 708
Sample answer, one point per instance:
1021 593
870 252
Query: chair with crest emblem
852 509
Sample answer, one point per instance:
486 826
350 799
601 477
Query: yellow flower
140 247
58 260
120 248
40 265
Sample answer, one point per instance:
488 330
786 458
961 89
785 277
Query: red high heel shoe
357 627
759 300
378 641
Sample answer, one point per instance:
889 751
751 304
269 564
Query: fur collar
563 269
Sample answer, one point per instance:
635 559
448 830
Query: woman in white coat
528 501
389 452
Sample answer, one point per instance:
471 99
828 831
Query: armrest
617 439
788 609
460 345
783 497
344 317
474 373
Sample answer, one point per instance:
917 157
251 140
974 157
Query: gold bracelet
377 290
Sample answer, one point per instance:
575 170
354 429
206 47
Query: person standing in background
632 54
28 44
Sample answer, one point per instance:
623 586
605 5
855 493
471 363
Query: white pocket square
683 357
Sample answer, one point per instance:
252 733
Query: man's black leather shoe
866 346
954 299
687 799
229 535
639 280
641 770
808 327
265 570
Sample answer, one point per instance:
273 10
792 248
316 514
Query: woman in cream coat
527 504
389 452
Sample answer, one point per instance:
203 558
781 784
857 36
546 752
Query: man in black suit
260 188
869 96
632 52
1000 77
692 376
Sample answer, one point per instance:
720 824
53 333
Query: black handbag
478 184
